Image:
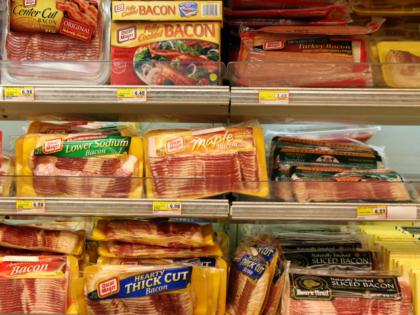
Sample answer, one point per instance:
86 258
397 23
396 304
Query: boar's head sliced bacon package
164 233
43 285
82 165
52 30
234 153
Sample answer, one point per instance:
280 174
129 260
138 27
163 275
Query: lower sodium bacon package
91 165
209 160
175 289
43 286
160 233
50 38
297 59
319 292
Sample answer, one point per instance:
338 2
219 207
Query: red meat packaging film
60 32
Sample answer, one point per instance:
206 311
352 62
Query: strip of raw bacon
65 242
88 9
404 75
74 14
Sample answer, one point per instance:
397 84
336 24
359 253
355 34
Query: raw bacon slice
95 177
404 75
74 14
134 230
30 238
6 181
88 9
121 249
5 251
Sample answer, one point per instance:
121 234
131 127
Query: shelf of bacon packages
49 41
170 42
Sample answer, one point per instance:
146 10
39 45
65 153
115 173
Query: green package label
85 146
326 288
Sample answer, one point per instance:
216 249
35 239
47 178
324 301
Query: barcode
26 92
281 95
210 10
137 92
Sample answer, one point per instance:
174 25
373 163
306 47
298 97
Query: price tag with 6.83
167 208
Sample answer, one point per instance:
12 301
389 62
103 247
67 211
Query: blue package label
188 9
151 283
251 266
266 251
194 220
278 272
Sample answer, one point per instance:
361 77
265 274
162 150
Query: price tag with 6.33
31 206
167 208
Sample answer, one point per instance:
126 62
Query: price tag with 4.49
31 206
167 208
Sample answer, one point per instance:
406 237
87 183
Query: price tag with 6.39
30 206
167 208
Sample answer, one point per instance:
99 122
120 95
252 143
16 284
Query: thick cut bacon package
347 292
290 58
182 289
163 233
128 250
82 165
60 32
41 287
31 238
233 153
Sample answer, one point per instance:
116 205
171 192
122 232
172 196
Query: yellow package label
167 10
167 208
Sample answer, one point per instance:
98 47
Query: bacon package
182 51
53 30
290 57
277 4
233 153
160 233
320 292
129 250
335 184
31 238
176 289
82 165
43 286
7 170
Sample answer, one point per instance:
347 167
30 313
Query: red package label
277 44
45 265
76 30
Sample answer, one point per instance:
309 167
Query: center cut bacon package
56 30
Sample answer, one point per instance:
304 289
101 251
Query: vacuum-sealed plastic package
347 292
63 46
7 168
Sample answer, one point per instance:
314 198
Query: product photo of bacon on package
42 31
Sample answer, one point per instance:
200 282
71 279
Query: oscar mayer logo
175 145
29 3
52 146
131 262
108 287
273 45
126 34
119 8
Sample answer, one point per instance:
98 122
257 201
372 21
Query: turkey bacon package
346 292
234 153
56 30
281 44
40 286
82 165
159 233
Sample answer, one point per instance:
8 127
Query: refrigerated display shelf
101 102
194 208
341 105
260 212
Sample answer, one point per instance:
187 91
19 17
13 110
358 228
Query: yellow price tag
132 95
19 93
372 212
167 208
273 97
30 206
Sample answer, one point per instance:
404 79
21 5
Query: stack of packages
332 270
80 159
326 171
170 42
400 249
38 267
154 266
298 35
